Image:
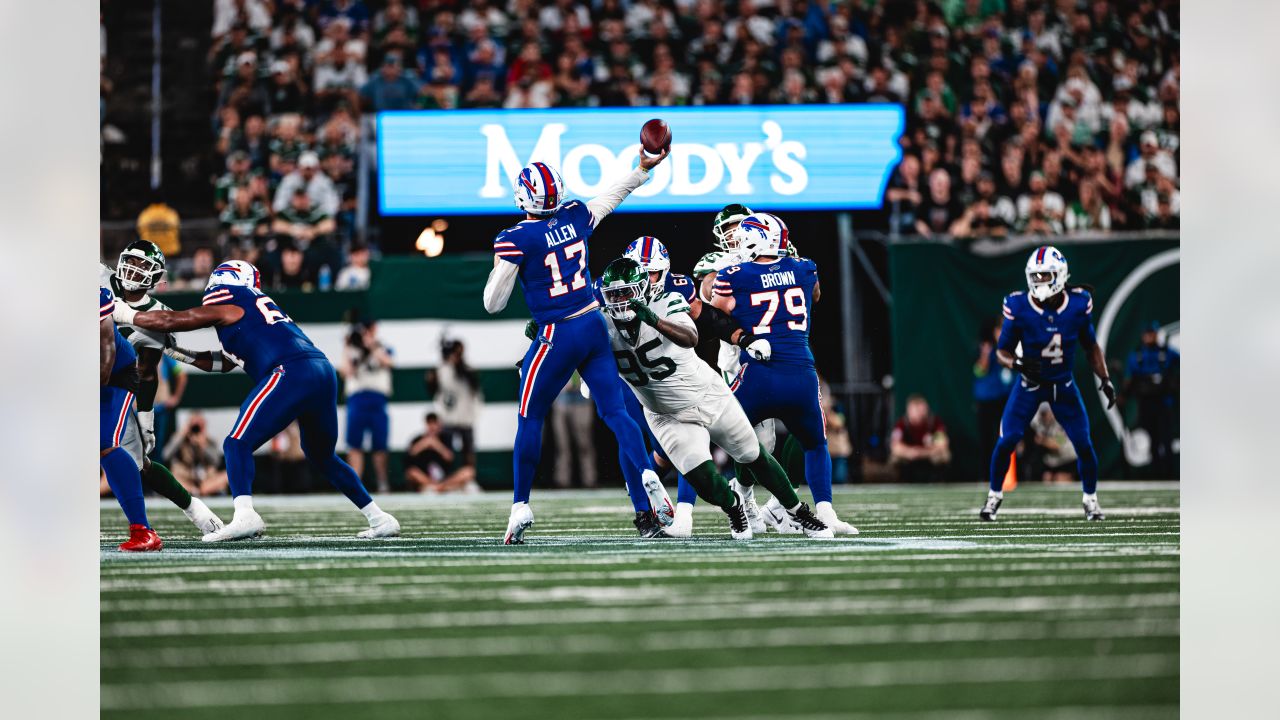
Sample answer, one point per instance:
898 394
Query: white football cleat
748 495
739 528
202 517
682 526
827 515
245 524
811 524
521 519
659 500
382 526
775 516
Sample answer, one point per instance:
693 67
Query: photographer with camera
194 457
456 388
366 370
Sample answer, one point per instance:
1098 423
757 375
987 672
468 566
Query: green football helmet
623 281
792 252
140 266
726 222
707 264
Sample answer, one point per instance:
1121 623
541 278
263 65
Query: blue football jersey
1049 333
772 300
265 337
682 284
552 255
125 355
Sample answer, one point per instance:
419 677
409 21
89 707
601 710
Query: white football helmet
235 272
653 258
539 189
1046 272
762 235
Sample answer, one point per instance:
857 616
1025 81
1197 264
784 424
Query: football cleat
748 495
648 525
659 500
1092 510
988 511
141 539
245 524
521 520
827 515
739 528
682 526
382 526
202 517
812 526
775 517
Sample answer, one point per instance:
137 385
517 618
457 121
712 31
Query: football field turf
926 612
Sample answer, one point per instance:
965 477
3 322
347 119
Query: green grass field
926 614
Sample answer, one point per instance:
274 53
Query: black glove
1109 391
1029 367
531 330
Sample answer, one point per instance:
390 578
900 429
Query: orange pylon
1011 475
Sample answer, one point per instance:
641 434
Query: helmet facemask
726 225
618 297
1046 273
137 271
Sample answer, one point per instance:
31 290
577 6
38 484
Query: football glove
643 313
757 347
147 422
1109 391
531 330
1029 366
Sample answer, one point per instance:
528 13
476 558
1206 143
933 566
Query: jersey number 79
793 299
552 261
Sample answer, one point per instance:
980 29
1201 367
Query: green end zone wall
417 302
943 293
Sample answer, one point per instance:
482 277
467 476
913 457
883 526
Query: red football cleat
141 539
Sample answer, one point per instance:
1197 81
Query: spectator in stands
366 372
339 77
905 192
287 146
286 91
356 274
391 88
1153 380
195 275
302 221
228 14
353 13
316 185
194 458
573 420
1040 210
290 272
242 90
1049 452
1150 155
458 397
253 141
239 172
940 209
919 444
991 386
432 464
1088 213
246 221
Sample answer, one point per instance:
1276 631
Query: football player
119 442
138 270
770 293
295 381
547 252
686 403
1048 321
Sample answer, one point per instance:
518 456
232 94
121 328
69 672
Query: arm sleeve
605 203
497 291
719 323
1087 334
1008 330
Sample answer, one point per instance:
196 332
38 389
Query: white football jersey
665 377
137 337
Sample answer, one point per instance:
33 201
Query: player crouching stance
685 403
1048 321
295 381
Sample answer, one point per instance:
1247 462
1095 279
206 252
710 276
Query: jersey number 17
552 261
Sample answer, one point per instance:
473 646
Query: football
655 136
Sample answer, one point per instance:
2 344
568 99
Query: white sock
996 493
371 511
1091 496
684 509
792 510
242 503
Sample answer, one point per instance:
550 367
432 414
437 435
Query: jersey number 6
793 298
552 261
271 312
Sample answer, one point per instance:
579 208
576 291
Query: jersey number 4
632 365
1053 351
271 312
793 299
552 261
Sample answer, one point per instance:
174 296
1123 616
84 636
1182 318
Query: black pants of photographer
1156 416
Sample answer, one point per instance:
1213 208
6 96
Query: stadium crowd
1023 116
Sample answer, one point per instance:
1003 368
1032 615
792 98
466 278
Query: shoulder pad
673 302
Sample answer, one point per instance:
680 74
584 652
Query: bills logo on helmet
236 272
752 222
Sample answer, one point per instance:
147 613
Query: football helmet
1046 272
623 281
539 189
140 266
235 272
708 263
653 258
726 223
762 235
